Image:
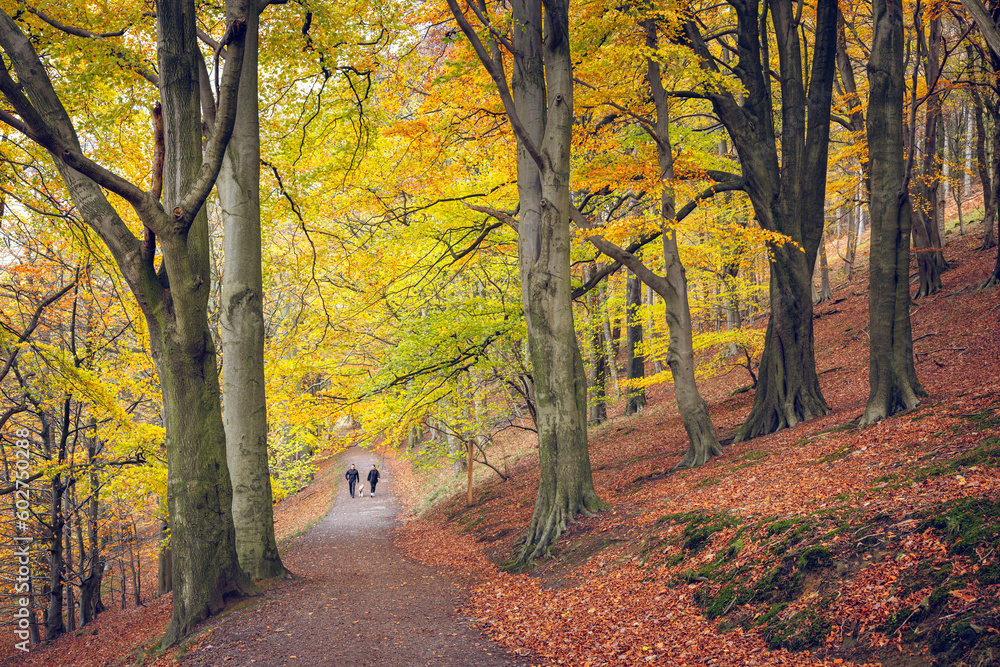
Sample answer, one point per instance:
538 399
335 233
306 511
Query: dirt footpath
360 601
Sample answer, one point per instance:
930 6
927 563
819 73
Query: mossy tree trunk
173 299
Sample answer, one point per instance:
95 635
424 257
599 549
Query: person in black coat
352 478
373 478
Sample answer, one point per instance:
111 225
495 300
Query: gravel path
360 601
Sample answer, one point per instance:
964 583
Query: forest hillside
819 544
875 544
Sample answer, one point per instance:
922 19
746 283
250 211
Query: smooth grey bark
635 360
539 106
787 194
242 327
596 399
174 303
825 293
927 240
892 377
610 348
703 443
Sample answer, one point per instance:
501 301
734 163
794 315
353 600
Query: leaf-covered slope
861 545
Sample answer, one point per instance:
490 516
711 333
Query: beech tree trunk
787 194
635 364
927 240
539 106
825 292
597 400
703 443
892 377
651 329
174 300
987 167
199 491
242 329
543 78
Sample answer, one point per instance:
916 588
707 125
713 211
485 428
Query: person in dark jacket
352 478
373 478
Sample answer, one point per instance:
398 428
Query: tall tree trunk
610 349
925 232
987 167
596 399
90 588
892 377
703 443
175 301
54 625
68 502
635 364
787 194
825 293
199 491
540 107
242 328
651 329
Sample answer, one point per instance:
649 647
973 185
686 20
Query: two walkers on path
352 477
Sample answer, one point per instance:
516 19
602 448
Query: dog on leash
362 491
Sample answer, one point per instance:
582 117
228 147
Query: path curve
360 602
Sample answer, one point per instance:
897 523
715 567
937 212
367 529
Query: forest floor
823 544
356 600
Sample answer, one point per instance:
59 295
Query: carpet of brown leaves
609 597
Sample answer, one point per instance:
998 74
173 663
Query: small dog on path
362 492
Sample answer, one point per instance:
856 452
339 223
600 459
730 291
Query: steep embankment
867 545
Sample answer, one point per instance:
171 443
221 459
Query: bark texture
597 398
175 302
926 236
539 105
635 361
787 195
242 330
542 87
892 377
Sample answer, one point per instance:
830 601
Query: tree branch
87 34
501 83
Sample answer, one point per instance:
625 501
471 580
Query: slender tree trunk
651 329
703 443
610 349
598 361
893 382
90 589
635 365
825 292
68 502
987 168
54 626
164 569
926 238
242 329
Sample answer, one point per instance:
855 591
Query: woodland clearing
861 546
